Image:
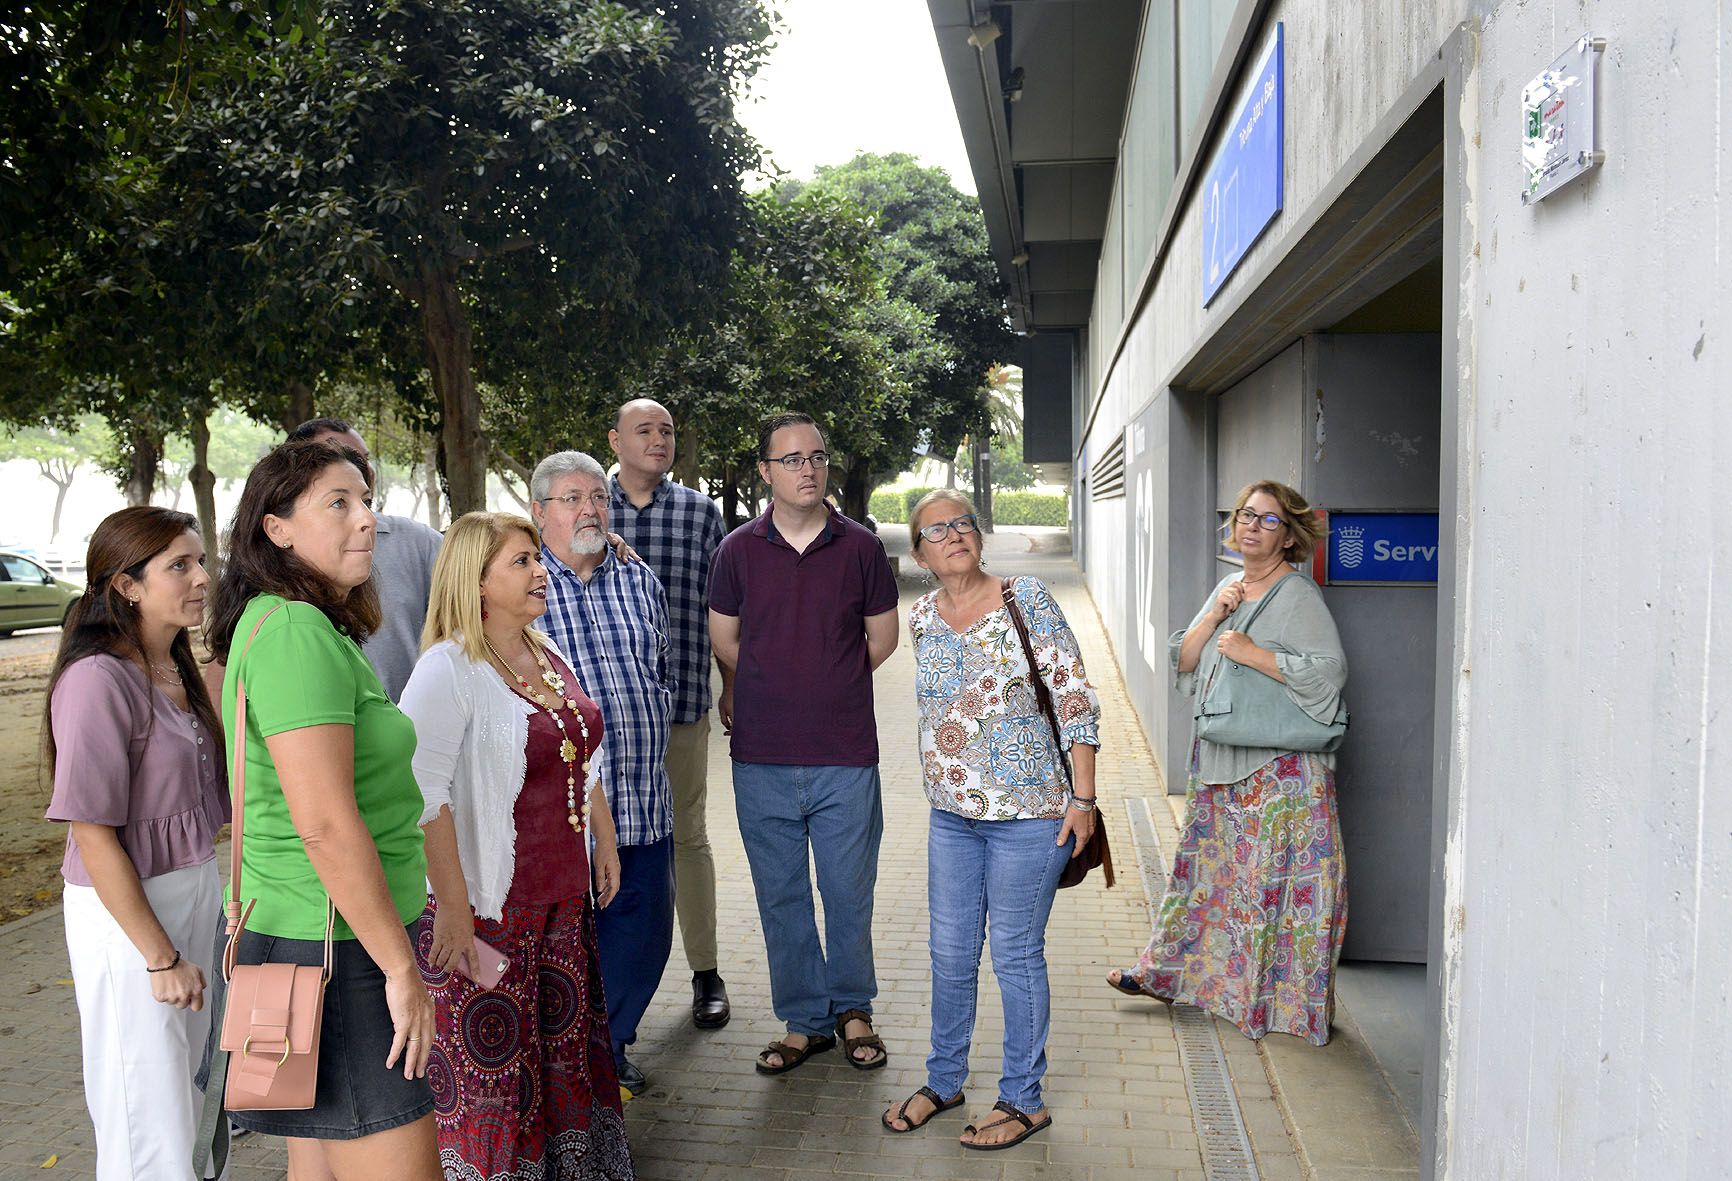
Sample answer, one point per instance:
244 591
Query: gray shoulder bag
1241 706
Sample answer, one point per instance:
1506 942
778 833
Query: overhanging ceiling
1040 88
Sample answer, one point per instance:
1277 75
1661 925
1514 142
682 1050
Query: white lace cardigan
471 732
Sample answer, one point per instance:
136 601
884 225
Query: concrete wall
1590 841
1372 408
1346 65
1585 876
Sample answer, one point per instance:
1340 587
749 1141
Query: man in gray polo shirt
403 554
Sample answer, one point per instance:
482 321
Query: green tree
930 246
73 70
550 187
805 326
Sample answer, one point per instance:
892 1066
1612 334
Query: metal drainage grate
1226 1147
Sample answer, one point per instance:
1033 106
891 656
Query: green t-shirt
301 671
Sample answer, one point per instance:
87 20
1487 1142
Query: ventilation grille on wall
1107 476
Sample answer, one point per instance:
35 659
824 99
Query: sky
840 81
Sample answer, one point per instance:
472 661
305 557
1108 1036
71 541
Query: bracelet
167 966
1083 803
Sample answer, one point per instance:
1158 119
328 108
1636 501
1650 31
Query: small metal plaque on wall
1558 121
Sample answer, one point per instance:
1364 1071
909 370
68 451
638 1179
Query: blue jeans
837 811
1008 870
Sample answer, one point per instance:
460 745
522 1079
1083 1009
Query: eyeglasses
572 500
1270 521
963 525
794 463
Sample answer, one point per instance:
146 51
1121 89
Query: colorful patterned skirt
1256 907
523 1077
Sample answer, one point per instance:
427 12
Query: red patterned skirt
522 1074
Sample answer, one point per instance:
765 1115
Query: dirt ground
30 847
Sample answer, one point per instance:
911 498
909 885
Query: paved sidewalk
1115 1084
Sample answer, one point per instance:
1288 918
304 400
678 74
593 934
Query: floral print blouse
986 748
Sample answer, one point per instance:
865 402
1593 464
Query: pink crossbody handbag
272 1018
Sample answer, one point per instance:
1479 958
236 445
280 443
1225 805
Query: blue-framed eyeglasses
963 525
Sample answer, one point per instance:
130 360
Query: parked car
30 596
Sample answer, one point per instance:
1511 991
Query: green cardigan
1298 628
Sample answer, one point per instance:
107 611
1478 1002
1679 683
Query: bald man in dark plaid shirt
676 530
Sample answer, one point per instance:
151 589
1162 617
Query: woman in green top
1256 906
332 809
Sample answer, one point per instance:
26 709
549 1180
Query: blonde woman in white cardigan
522 1065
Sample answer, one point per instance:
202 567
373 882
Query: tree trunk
300 407
686 455
983 482
143 457
203 482
950 473
857 491
430 464
731 500
61 472
451 360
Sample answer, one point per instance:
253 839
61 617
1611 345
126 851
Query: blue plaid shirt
614 628
677 533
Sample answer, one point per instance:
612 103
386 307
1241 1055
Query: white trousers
140 1055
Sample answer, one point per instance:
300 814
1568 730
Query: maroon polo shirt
803 689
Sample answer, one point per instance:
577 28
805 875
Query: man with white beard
610 619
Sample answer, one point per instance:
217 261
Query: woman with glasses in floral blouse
1004 818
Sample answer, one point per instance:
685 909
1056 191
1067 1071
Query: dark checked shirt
677 533
615 630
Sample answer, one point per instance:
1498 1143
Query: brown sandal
1029 1128
792 1056
939 1106
870 1041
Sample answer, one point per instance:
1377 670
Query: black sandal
1124 985
1029 1128
939 1106
792 1056
869 1041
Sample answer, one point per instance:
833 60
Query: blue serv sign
1382 547
1242 192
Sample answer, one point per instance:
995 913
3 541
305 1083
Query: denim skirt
356 1095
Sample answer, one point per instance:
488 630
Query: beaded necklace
568 751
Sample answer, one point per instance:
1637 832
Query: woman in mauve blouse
523 1070
1004 817
133 744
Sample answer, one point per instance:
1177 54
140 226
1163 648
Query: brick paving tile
1114 1084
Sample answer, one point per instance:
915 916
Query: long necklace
170 674
577 817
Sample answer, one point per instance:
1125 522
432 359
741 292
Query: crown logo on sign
1350 545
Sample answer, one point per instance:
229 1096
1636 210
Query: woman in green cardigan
1256 905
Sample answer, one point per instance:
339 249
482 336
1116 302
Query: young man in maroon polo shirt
803 609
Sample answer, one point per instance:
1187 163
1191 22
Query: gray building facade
1530 389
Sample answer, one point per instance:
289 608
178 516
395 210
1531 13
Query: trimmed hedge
1030 508
890 506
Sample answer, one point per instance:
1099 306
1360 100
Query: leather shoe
709 1000
631 1078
